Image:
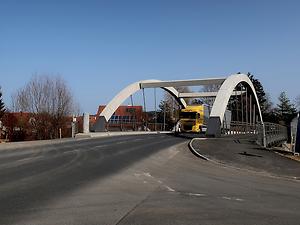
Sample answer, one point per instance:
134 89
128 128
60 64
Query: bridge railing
266 134
236 127
270 134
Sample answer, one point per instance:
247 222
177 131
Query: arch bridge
227 87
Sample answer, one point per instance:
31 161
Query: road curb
195 152
110 134
35 143
79 137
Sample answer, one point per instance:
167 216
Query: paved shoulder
244 153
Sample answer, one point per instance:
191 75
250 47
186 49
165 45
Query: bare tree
49 100
211 88
170 99
2 106
44 94
77 111
171 106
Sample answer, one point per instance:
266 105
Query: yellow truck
193 119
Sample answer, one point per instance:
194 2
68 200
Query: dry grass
285 151
294 157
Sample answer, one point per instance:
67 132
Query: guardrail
267 134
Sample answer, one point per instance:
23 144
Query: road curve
149 179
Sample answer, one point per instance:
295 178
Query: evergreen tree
285 110
260 92
2 106
263 99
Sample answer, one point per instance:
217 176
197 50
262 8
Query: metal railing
266 134
236 127
270 134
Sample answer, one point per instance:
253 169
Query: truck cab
193 119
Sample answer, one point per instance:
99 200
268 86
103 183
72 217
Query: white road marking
201 138
172 153
147 174
169 189
121 142
100 146
227 198
158 181
74 150
197 194
234 199
28 159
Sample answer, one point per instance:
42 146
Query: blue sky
99 47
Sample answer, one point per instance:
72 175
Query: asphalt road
151 179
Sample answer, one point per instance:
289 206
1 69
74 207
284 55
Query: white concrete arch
222 99
228 85
130 90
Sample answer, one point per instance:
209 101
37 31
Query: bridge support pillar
214 127
99 125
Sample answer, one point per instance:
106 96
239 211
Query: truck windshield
187 115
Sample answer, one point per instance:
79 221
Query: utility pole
131 99
250 109
145 110
247 113
155 109
165 115
236 104
254 116
242 108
